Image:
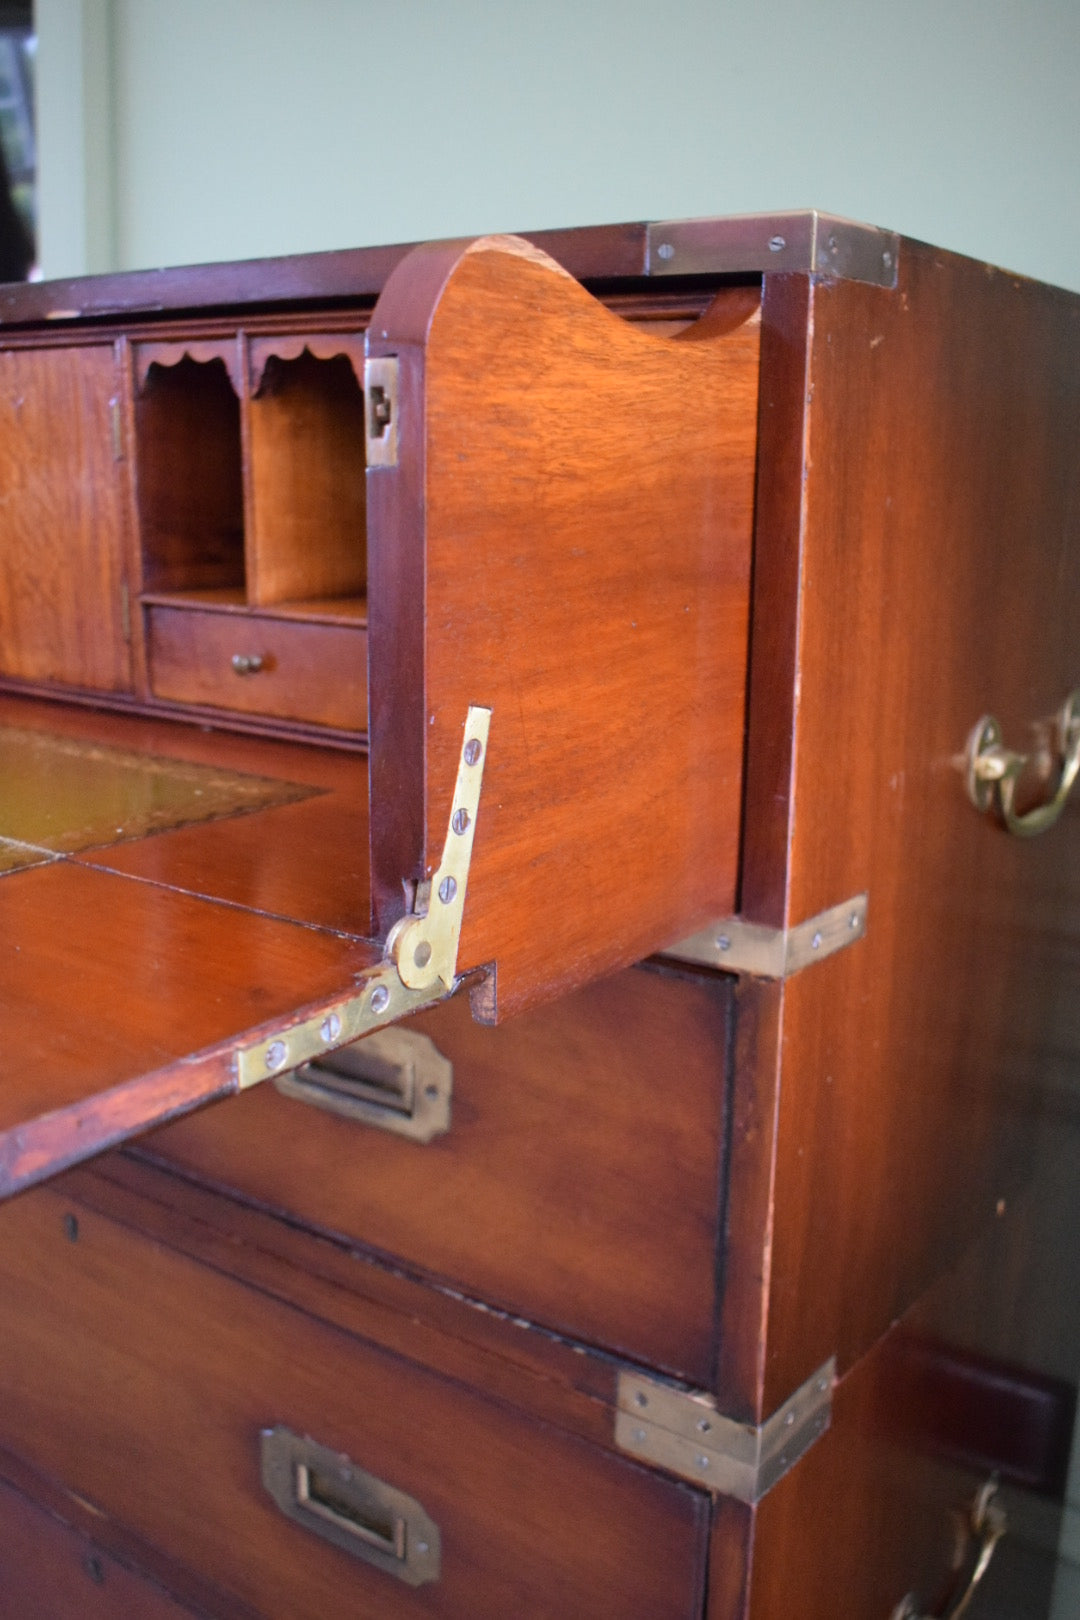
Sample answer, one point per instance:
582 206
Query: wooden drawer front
48 1569
578 1183
309 672
144 1381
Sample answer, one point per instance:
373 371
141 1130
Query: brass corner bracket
420 965
810 242
738 946
682 1431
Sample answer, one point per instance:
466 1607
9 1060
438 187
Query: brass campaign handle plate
327 1493
988 1524
993 772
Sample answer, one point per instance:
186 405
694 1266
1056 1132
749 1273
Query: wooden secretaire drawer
259 664
407 526
572 1174
155 1387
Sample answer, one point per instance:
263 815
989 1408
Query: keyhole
380 409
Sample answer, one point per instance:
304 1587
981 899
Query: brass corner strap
682 1431
738 946
808 242
420 965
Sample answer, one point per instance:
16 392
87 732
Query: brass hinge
682 1431
774 953
420 965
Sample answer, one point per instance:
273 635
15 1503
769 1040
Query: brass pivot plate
682 1431
420 965
774 953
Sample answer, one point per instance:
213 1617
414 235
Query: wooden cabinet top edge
806 241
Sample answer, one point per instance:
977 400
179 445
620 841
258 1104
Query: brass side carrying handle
993 771
988 1524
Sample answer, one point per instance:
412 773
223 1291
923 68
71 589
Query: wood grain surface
937 559
188 466
566 539
205 1363
866 1516
305 481
578 1185
47 1568
130 970
61 523
311 672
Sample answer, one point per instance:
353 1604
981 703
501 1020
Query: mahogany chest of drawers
557 726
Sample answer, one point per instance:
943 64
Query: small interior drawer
260 664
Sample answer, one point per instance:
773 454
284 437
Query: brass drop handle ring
988 1524
248 663
993 771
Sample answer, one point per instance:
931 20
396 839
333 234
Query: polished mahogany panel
565 539
133 967
260 664
49 1568
938 554
160 1424
579 1184
305 478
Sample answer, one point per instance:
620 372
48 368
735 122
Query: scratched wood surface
566 539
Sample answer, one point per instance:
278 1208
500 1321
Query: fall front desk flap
559 510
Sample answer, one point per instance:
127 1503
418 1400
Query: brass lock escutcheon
993 772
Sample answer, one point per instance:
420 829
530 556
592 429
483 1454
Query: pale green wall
244 127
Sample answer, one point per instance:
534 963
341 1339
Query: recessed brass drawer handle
987 1524
993 771
248 663
394 1079
327 1493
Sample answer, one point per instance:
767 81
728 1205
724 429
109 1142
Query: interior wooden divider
190 500
306 502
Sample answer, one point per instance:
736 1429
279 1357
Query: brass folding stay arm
420 965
